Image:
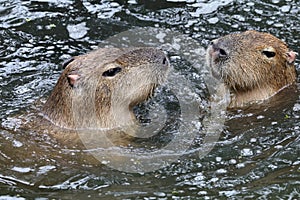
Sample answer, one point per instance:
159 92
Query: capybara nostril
222 53
165 61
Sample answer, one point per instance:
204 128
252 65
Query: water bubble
22 169
240 165
77 31
232 161
221 171
132 1
260 117
285 8
272 166
159 194
17 143
246 152
253 140
274 123
296 107
218 159
213 20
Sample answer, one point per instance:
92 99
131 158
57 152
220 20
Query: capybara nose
154 55
218 49
161 58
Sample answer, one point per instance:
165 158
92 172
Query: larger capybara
113 80
97 91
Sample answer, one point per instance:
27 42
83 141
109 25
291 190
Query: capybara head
252 64
104 85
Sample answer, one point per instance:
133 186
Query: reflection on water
257 154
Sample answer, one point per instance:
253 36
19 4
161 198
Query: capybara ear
291 56
72 78
65 64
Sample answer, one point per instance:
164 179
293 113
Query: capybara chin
99 89
253 65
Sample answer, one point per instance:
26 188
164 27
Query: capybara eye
269 54
112 72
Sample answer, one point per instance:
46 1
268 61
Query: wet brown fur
250 75
86 102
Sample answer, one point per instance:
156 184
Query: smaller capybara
253 65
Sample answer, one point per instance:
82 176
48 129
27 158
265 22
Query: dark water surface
257 155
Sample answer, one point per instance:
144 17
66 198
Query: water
257 154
